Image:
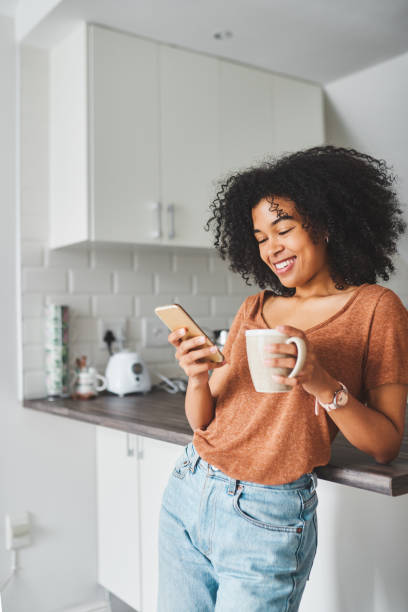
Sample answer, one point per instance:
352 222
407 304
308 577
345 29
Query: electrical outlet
117 327
154 333
18 531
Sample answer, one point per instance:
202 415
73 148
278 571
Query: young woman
314 230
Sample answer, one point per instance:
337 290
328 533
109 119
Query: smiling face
282 238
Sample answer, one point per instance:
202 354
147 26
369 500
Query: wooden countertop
161 415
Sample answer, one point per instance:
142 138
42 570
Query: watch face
341 398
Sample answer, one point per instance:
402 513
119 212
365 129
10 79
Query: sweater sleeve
387 345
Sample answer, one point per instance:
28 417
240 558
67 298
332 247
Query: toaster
126 372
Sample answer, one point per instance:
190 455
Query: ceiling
316 40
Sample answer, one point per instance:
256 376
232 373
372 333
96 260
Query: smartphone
175 317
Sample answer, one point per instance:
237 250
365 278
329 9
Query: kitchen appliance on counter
126 372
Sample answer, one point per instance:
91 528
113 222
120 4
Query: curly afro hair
337 192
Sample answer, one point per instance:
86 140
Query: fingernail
200 339
213 349
182 332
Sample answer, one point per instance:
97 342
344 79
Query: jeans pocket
276 513
182 464
310 502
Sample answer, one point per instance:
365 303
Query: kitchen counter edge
161 416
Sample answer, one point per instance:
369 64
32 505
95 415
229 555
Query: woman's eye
280 234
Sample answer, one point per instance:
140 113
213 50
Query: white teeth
284 264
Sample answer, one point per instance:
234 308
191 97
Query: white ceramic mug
261 373
86 383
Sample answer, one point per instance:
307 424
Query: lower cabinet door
119 546
156 463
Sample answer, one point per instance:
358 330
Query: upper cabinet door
189 143
123 137
247 132
298 114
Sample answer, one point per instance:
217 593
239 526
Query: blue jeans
228 545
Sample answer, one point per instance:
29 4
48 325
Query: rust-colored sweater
274 438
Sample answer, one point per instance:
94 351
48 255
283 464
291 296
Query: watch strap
332 405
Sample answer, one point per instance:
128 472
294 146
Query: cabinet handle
170 214
157 208
130 446
140 453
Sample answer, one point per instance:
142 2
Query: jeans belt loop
194 462
314 482
232 485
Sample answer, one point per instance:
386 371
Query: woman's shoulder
378 293
382 303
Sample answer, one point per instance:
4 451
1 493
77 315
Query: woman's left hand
313 377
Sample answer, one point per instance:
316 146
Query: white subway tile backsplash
90 281
156 355
237 285
99 358
84 329
147 260
32 305
191 264
145 304
134 329
135 283
33 330
112 305
79 305
67 258
109 257
196 305
43 280
210 284
173 282
226 305
32 254
216 264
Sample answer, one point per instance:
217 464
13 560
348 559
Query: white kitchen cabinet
118 515
123 92
132 473
298 114
189 143
104 139
246 115
157 459
263 114
142 132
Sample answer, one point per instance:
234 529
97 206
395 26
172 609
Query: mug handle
301 356
104 383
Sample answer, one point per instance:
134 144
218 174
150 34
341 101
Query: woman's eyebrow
282 218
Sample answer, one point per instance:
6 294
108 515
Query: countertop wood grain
161 415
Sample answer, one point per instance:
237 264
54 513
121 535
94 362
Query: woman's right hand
192 357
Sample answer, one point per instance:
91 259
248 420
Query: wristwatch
340 399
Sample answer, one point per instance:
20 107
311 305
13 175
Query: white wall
47 465
362 559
